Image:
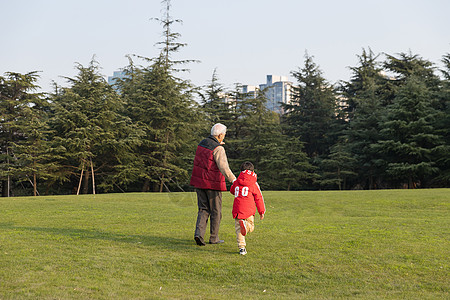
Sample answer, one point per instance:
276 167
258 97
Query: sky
244 40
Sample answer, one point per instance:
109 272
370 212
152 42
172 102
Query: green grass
391 244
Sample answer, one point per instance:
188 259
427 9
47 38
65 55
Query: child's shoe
242 224
242 251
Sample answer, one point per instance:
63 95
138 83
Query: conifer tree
338 167
256 135
442 127
401 67
255 125
88 123
214 100
312 111
220 105
24 148
284 165
410 96
364 96
37 159
162 107
408 139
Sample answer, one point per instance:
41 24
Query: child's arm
259 201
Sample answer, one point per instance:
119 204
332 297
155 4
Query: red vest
206 175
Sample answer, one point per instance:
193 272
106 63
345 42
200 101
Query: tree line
386 127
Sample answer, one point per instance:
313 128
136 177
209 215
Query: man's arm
221 160
233 188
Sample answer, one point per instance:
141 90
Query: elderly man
208 177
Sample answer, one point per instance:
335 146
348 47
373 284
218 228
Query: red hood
246 178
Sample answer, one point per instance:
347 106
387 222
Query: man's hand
261 217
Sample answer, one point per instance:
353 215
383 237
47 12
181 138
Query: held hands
261 217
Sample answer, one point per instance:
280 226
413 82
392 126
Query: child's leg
250 222
249 225
239 237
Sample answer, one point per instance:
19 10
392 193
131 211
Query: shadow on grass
171 243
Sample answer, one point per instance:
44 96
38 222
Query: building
250 90
277 90
116 75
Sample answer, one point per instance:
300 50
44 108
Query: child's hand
261 217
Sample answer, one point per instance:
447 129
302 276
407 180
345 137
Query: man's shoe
199 241
242 224
218 242
242 251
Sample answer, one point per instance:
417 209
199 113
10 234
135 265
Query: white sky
244 39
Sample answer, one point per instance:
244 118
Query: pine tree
338 167
215 101
365 75
364 96
284 165
88 123
312 111
166 114
162 107
256 136
402 67
24 147
37 159
408 139
442 127
256 125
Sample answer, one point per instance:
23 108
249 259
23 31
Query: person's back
206 173
247 194
208 177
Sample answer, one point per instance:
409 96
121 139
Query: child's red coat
247 193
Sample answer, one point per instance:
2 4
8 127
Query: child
246 193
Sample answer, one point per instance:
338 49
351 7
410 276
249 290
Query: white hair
218 129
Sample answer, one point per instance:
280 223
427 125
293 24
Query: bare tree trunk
339 179
146 186
81 177
34 185
9 179
410 183
177 185
86 183
4 188
164 161
161 185
93 177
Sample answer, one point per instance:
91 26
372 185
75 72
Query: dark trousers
209 206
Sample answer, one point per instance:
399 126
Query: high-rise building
116 75
250 90
277 90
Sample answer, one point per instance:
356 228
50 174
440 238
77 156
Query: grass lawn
389 244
